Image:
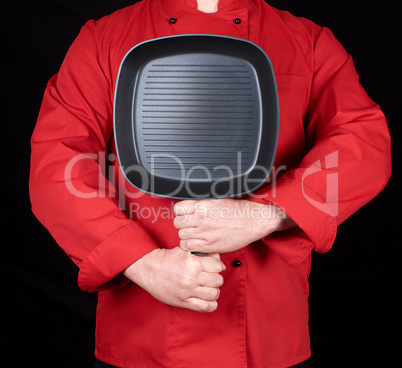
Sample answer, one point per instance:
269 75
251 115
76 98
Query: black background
354 293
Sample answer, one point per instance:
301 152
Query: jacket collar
222 5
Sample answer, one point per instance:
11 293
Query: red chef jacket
333 157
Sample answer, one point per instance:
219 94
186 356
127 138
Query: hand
226 225
178 278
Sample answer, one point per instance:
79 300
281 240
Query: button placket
239 20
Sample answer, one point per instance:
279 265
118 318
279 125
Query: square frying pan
196 116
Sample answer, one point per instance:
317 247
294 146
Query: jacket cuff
316 224
102 268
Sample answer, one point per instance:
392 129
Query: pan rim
274 105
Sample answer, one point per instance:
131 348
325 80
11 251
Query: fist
178 278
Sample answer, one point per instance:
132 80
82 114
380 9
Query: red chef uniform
333 157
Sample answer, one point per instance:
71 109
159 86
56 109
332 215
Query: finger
207 293
215 255
200 305
185 221
210 280
191 233
210 264
195 245
184 208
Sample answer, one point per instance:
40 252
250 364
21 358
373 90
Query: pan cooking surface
196 116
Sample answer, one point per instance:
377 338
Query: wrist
282 220
136 271
273 219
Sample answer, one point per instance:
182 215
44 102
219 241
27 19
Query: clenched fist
179 278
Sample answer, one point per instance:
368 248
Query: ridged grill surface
197 117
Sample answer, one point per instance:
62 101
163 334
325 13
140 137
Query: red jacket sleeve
348 164
68 189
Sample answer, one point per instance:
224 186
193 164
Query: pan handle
199 254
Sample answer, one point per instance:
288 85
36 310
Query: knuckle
176 222
190 276
201 306
183 244
201 214
219 280
187 282
182 233
206 307
215 294
212 306
192 264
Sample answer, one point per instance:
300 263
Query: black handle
199 254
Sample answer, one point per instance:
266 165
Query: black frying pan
196 116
